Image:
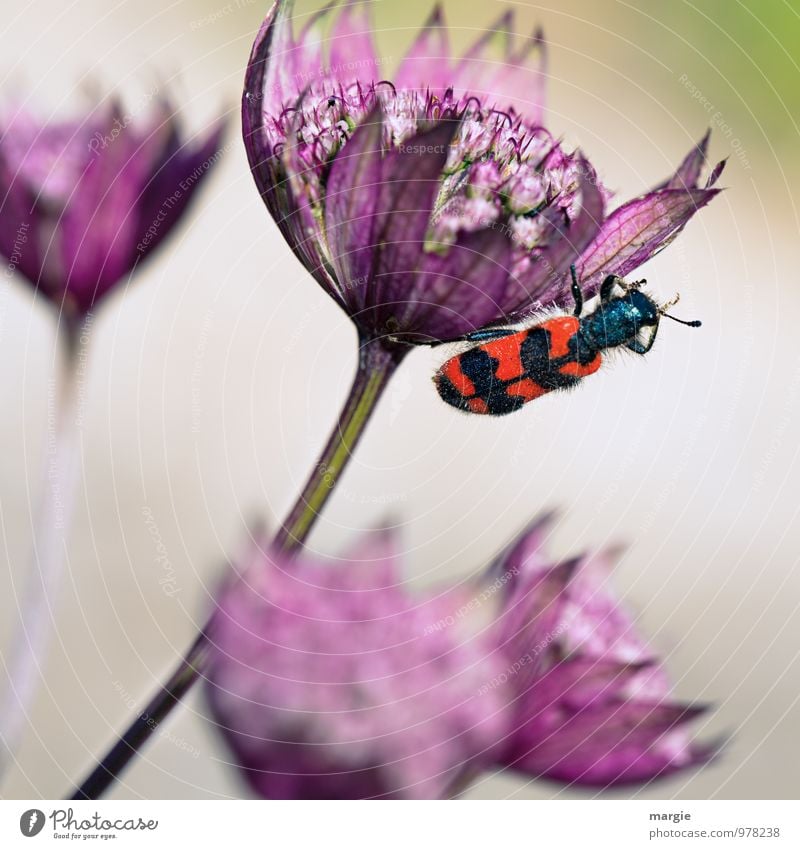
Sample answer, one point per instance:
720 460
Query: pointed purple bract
688 173
470 278
636 231
83 202
619 742
353 188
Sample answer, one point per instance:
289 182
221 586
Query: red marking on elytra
526 389
578 370
506 351
452 371
561 330
478 405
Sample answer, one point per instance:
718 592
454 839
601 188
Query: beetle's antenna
694 323
662 310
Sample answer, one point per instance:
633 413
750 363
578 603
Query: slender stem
28 647
147 721
375 367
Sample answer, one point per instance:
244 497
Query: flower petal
426 65
526 71
581 681
637 231
609 744
19 231
293 770
481 60
279 68
258 98
306 60
688 173
532 620
296 208
523 556
352 46
715 174
351 200
97 233
179 174
411 178
501 75
265 91
459 291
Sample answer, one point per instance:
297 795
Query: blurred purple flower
590 698
334 681
435 203
82 202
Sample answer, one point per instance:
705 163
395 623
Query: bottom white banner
387 825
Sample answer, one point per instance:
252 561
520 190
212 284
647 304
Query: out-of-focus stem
39 597
127 747
375 366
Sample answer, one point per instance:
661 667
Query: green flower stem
375 367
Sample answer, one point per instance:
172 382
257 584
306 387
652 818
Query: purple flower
82 202
591 701
423 205
335 681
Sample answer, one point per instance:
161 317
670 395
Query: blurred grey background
213 380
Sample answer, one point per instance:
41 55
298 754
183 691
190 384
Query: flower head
427 207
83 201
325 686
335 681
590 700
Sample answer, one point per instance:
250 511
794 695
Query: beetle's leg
637 347
608 287
630 287
486 335
643 347
576 292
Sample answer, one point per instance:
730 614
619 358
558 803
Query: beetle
506 368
